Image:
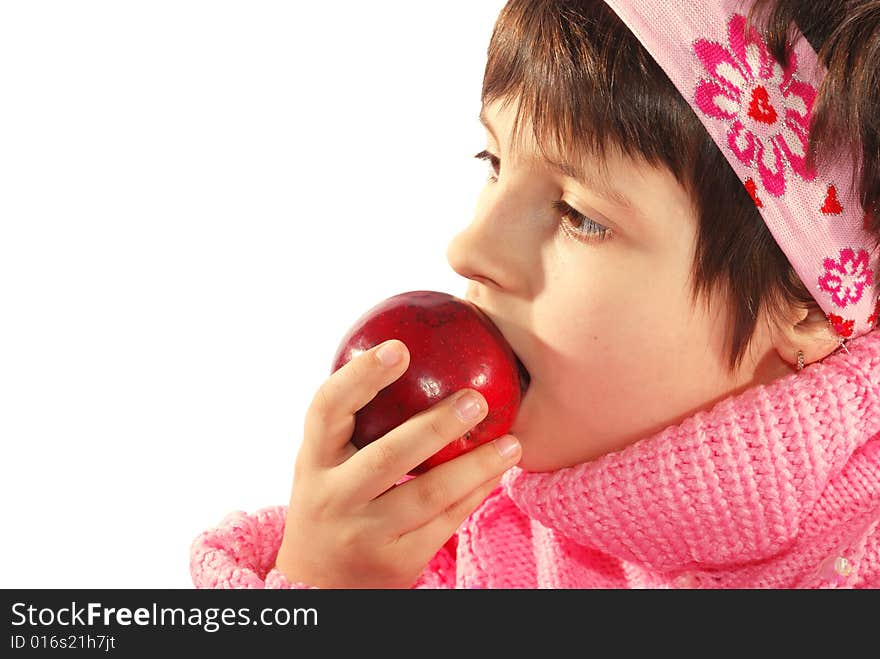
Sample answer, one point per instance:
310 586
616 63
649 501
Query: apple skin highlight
453 345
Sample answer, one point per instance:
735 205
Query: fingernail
468 407
507 446
389 354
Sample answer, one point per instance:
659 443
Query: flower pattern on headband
845 280
874 318
766 106
841 325
832 205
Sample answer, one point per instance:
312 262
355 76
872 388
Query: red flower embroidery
766 106
875 317
832 206
753 192
843 327
847 278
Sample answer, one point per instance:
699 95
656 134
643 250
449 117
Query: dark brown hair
587 85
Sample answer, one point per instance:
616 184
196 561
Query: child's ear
807 330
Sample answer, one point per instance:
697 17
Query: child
679 238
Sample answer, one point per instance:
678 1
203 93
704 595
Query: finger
436 492
425 540
380 464
329 420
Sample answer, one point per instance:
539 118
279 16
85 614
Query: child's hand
348 525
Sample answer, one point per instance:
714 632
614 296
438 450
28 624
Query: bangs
585 84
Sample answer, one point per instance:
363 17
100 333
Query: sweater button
842 566
836 569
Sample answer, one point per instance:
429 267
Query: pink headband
759 115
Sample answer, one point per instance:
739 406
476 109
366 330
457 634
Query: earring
800 360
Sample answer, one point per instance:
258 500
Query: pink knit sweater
778 487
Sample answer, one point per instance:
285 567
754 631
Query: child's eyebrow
593 183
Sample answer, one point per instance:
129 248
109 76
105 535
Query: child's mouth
524 378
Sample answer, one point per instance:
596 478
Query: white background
197 199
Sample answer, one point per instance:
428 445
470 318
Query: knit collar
727 485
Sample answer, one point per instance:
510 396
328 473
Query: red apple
453 345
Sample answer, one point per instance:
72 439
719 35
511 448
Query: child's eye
493 160
580 224
573 221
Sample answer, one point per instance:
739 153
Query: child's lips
525 379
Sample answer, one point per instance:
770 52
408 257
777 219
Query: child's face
606 328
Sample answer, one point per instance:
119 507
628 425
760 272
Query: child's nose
459 253
479 252
469 254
